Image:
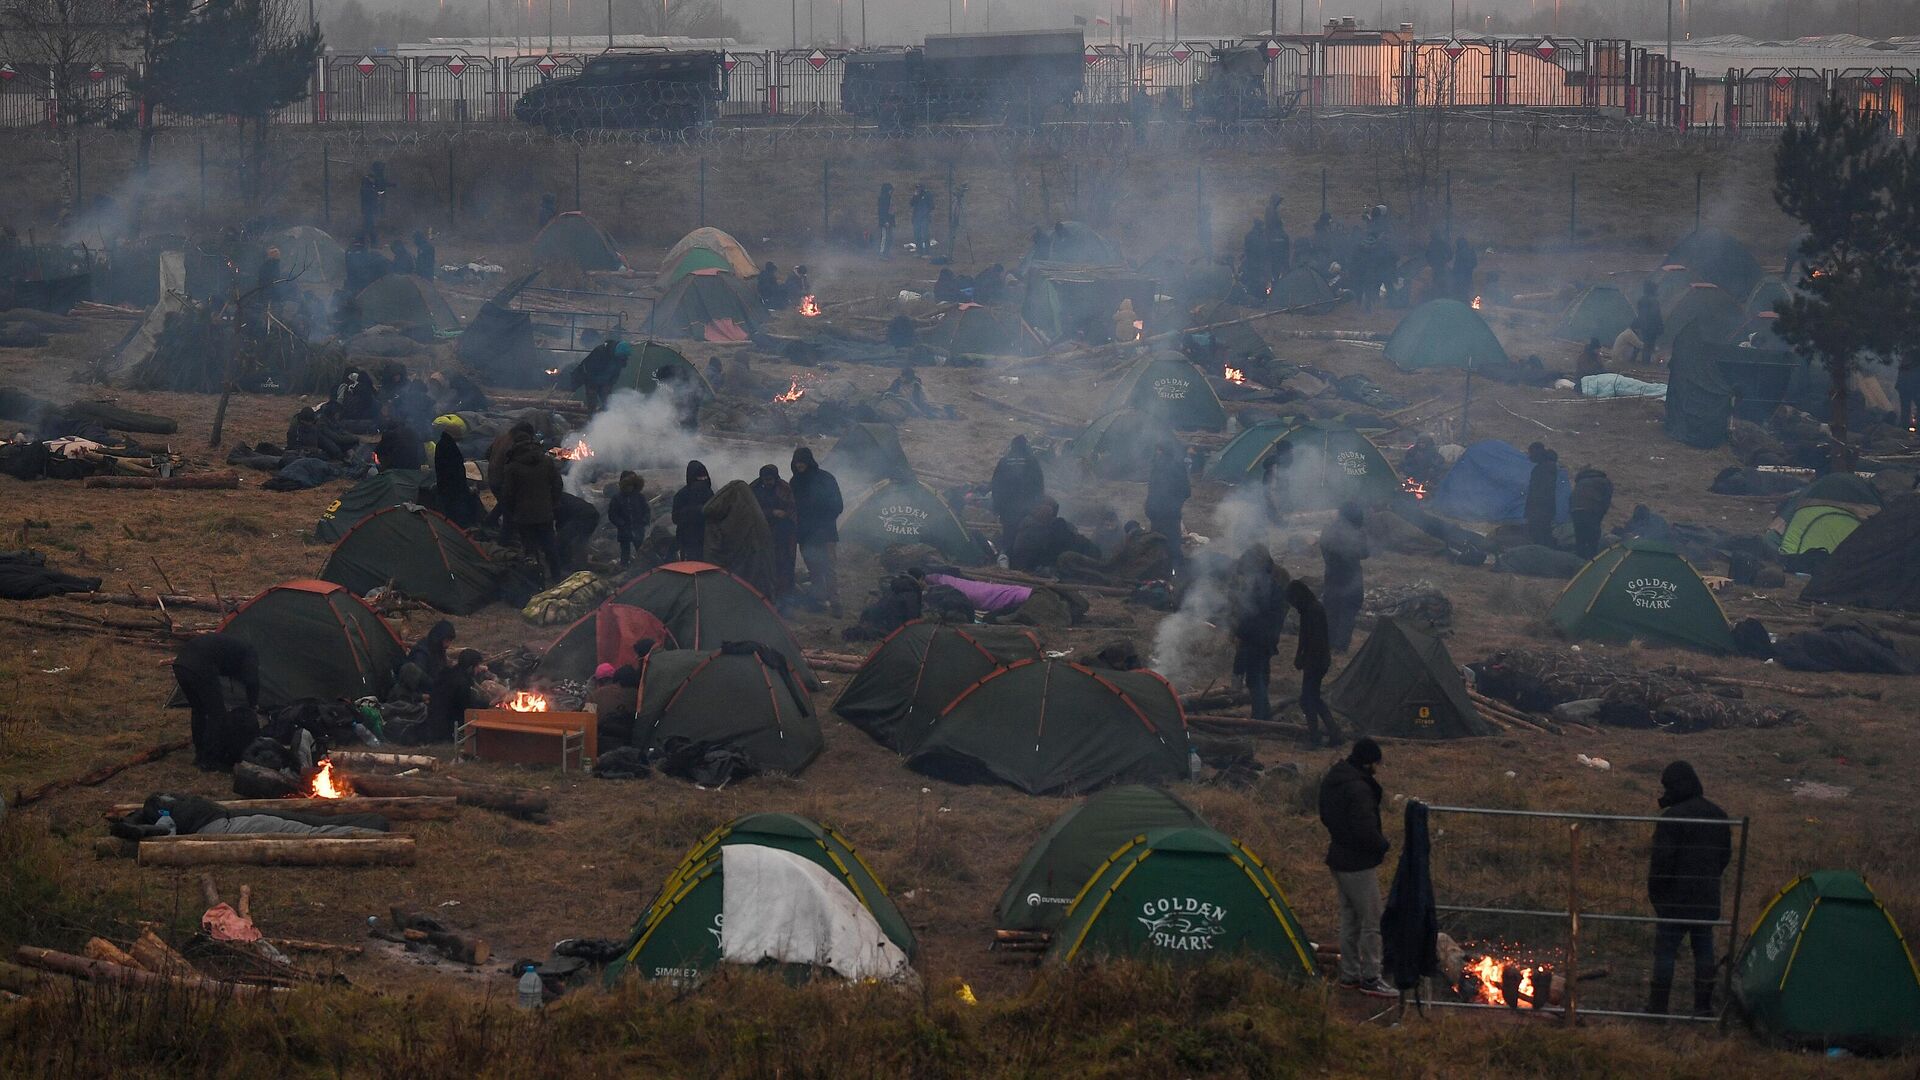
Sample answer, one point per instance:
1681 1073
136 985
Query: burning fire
579 451
808 307
1476 303
1414 488
328 786
1233 374
793 393
526 701
1139 327
553 371
1494 976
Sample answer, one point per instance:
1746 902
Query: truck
1232 86
645 89
1014 76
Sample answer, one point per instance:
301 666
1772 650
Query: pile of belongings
1846 643
1541 680
1418 602
569 601
25 575
195 816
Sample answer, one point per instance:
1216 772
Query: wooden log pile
1502 715
213 481
520 802
409 808
38 970
274 850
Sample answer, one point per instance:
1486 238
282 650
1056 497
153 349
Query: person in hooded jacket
1543 485
1018 486
1343 545
498 451
198 668
629 513
1168 489
453 693
531 493
1683 882
427 659
398 449
1312 658
1350 811
1592 498
599 372
737 537
450 484
1257 605
689 523
817 507
1045 536
776 503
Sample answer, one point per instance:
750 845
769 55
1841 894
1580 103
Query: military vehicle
669 91
1013 76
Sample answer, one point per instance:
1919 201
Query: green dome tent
907 512
407 302
1169 385
1765 294
733 256
649 358
574 239
376 492
817 843
704 607
605 635
1847 488
1601 312
310 256
1642 589
1188 894
316 640
1708 309
1048 727
975 330
702 298
1404 683
1814 527
1077 845
1445 333
1121 445
1069 301
870 452
732 699
1301 287
1711 254
1878 566
1078 244
917 671
421 553
693 261
1826 965
1244 455
1332 463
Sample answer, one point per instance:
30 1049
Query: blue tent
1489 483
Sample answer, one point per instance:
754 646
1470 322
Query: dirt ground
74 700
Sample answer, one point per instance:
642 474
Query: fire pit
580 450
796 389
809 307
1476 303
1414 488
327 784
527 730
1237 376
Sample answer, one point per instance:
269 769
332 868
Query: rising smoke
642 432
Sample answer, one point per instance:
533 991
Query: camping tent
1711 254
1332 463
316 640
907 512
756 905
1845 488
605 635
1767 293
1710 309
1078 244
1300 287
1699 402
377 492
704 607
407 302
419 552
1403 683
1878 566
1078 301
692 261
917 671
976 330
1121 445
702 298
709 239
144 340
1814 527
310 256
869 452
820 844
1169 385
1188 894
1050 727
1601 312
500 346
1445 333
649 358
574 239
1642 589
1489 483
1827 965
731 698
1077 845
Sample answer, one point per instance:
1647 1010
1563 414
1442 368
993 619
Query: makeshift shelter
1765 295
732 698
407 302
137 350
310 256
1167 384
1049 727
1177 895
1077 845
1814 527
1711 254
1489 483
918 670
574 239
976 330
651 358
419 552
605 635
1600 312
316 640
1301 287
692 306
1445 333
760 906
1878 565
500 346
819 844
869 452
705 607
1332 463
1710 310
1827 965
1076 244
1699 402
1121 445
1642 589
907 512
1404 683
709 239
392 487
1079 301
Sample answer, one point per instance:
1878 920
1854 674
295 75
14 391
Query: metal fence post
1733 922
326 186
453 198
826 199
703 192
1698 182
79 175
1573 926
1573 207
576 174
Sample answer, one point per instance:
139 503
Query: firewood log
159 957
278 851
465 948
101 971
517 801
190 482
349 758
408 808
101 949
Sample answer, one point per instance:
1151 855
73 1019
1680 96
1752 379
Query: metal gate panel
807 82
377 95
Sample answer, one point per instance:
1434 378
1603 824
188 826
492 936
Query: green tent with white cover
1826 965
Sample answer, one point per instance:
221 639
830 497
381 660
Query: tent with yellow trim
1826 965
712 242
1642 589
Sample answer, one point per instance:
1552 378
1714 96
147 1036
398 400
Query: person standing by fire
1257 606
1350 812
1683 882
817 507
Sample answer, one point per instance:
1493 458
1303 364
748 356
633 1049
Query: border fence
1307 74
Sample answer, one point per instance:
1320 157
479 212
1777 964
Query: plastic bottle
1193 764
365 736
531 994
167 823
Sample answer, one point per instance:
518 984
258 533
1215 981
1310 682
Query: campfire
1139 327
552 371
526 701
809 307
1507 983
796 389
1237 376
1476 303
1414 488
579 451
328 786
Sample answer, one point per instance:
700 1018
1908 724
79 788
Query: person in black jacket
399 450
1045 536
689 517
425 260
598 373
1257 606
199 666
1313 658
817 507
1592 498
1648 324
427 659
531 492
1343 545
450 484
1167 492
628 511
1017 485
1350 811
1542 493
452 695
1683 882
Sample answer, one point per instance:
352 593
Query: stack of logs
148 964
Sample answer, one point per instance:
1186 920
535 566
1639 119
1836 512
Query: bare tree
59 42
675 18
1427 99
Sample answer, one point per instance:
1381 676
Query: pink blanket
984 595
